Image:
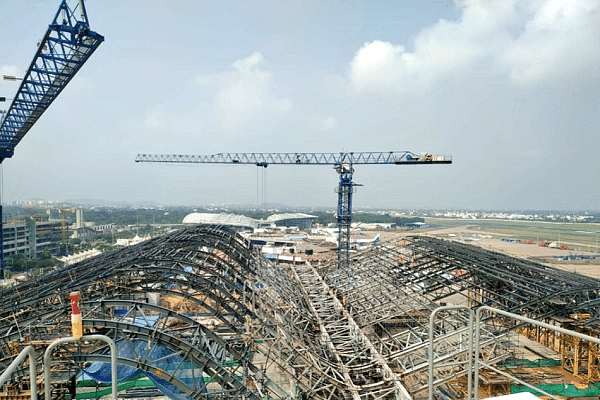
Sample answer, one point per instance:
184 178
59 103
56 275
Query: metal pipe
469 348
113 361
27 351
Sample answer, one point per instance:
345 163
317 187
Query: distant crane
66 46
63 229
342 162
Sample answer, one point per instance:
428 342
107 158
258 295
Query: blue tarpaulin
159 357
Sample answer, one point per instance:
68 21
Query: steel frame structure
284 330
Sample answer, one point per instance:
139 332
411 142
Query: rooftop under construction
203 314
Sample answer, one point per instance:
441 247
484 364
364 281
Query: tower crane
66 46
342 162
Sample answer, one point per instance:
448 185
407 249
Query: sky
508 88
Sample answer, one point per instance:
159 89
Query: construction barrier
542 362
562 389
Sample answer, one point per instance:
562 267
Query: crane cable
265 186
261 187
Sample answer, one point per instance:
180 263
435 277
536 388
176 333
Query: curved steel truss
207 315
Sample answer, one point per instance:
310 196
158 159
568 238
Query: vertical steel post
76 323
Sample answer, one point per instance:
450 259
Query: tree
20 262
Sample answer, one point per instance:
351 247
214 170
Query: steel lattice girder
397 314
515 285
265 159
162 272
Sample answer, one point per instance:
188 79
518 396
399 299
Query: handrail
27 351
113 360
473 363
522 319
469 360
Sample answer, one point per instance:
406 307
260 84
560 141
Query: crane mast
342 162
344 212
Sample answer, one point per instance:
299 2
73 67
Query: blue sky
508 88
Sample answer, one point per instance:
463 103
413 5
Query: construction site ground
472 234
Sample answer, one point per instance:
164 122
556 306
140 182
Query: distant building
238 222
301 221
241 222
377 226
86 233
31 237
130 242
416 225
104 228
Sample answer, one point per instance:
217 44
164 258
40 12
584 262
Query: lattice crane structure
342 162
66 46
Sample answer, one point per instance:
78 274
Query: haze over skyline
509 88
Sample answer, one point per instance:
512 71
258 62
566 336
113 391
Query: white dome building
238 222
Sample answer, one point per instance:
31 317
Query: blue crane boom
342 162
66 46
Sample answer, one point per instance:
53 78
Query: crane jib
265 159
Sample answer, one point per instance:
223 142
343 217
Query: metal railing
113 361
468 362
473 362
28 351
479 363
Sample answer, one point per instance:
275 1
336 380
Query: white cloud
330 123
155 118
245 93
528 41
562 39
